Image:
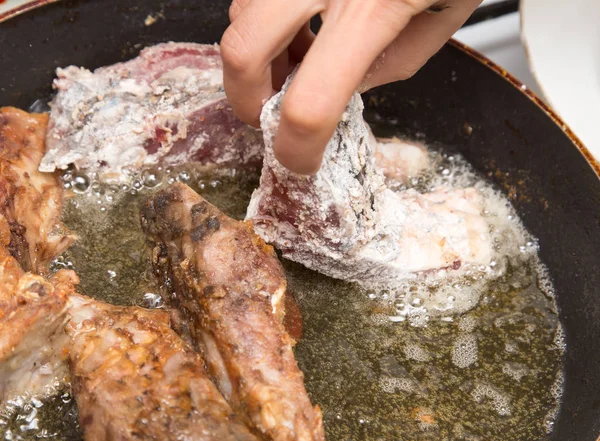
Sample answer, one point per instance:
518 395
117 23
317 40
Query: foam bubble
467 323
556 391
557 387
415 352
559 341
516 371
393 384
464 351
485 392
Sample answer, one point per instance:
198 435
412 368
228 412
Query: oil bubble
184 176
151 178
80 182
464 351
97 189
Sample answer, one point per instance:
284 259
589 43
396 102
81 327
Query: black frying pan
459 100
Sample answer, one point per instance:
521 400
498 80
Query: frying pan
459 100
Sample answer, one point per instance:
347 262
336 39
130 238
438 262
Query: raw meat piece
32 315
345 222
167 105
230 285
30 201
134 378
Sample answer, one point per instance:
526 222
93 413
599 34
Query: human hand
362 44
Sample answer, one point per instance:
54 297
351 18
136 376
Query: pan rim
464 48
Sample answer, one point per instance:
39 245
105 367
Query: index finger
349 41
251 43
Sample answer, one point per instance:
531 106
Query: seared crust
32 313
230 285
134 378
30 201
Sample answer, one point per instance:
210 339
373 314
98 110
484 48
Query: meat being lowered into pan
167 104
230 285
346 223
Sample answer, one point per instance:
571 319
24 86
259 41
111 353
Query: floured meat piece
32 341
398 159
30 201
135 378
167 105
345 222
230 285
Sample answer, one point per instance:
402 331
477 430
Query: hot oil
488 374
474 355
29 418
111 259
110 255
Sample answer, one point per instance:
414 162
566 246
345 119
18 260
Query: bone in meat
32 315
32 310
134 378
166 105
230 285
346 223
30 201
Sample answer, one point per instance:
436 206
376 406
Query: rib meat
230 285
32 310
346 223
32 315
134 378
166 105
30 201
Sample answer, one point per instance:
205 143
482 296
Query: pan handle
483 13
495 10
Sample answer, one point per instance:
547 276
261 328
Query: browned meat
135 379
166 105
346 223
30 201
230 284
32 315
32 310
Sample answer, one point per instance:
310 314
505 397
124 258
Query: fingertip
302 155
307 123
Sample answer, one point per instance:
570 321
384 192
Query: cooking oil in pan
473 356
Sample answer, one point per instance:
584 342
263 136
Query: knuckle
304 119
234 51
235 8
415 6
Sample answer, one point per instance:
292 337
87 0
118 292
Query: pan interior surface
455 102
